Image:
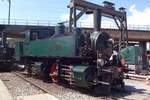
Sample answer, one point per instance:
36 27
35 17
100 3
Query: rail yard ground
17 86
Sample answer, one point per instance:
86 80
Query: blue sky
55 9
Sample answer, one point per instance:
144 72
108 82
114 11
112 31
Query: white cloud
106 23
64 17
136 18
139 17
87 22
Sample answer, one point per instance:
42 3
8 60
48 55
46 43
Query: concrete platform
4 93
37 97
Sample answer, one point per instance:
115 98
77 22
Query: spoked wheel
54 73
45 70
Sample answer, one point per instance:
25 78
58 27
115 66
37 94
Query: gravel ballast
17 86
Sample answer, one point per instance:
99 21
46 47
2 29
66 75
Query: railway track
25 78
17 86
137 77
64 93
128 76
31 82
59 91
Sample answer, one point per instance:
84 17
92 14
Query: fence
80 24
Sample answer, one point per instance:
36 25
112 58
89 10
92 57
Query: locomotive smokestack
97 20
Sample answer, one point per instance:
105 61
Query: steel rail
137 77
32 83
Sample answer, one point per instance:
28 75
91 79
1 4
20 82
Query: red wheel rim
53 73
123 62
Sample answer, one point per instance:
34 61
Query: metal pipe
9 12
3 39
97 20
74 16
70 20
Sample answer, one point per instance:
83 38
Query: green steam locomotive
75 57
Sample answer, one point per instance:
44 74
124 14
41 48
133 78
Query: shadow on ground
115 93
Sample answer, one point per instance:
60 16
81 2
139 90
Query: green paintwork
79 72
58 46
131 54
18 51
